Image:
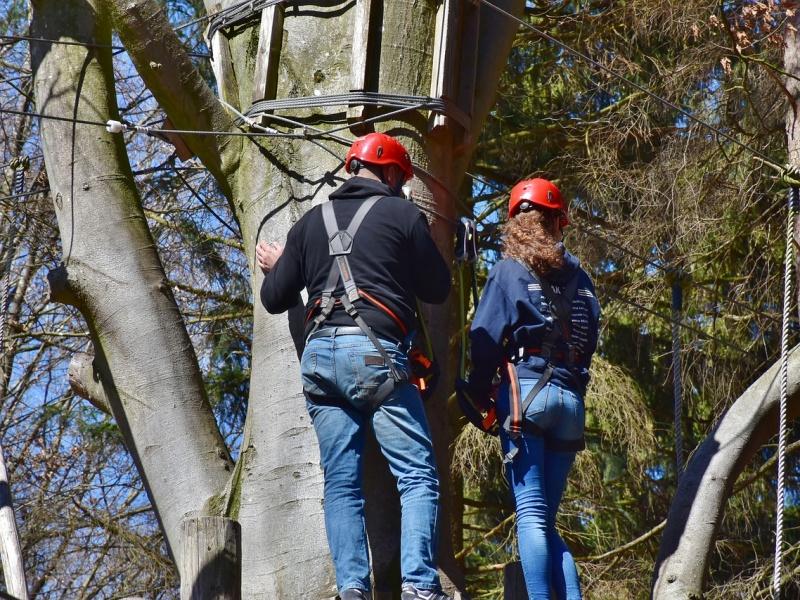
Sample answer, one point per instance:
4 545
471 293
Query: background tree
658 200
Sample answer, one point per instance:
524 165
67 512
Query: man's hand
267 254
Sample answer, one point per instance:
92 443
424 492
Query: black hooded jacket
393 259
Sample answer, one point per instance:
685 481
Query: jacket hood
360 187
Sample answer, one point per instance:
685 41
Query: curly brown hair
530 238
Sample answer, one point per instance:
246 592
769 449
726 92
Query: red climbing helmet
538 192
379 149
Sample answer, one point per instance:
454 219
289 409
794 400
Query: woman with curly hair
537 324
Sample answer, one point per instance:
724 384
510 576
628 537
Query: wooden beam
222 65
468 57
444 55
360 58
270 41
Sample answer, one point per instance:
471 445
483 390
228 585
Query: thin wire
204 203
148 131
641 88
667 319
24 194
793 200
13 39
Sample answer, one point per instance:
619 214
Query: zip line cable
792 209
564 46
20 165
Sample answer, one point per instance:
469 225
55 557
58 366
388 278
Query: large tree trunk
112 272
699 505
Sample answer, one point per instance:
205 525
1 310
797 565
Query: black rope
237 14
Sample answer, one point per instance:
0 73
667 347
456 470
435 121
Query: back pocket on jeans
313 380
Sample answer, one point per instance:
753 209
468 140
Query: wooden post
222 65
211 566
270 41
444 53
514 582
360 58
470 31
13 568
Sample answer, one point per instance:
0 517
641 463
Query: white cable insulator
114 126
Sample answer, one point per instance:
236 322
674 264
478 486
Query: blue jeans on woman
340 375
538 476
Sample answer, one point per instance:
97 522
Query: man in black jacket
363 257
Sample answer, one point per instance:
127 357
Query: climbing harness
559 332
340 245
793 206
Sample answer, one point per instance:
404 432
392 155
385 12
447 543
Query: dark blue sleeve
493 320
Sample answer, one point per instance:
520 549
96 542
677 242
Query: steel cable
792 209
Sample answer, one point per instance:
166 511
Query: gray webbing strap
340 244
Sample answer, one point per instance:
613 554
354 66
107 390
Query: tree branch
84 379
177 85
699 504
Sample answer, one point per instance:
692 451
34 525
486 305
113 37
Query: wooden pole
360 58
270 41
13 568
211 566
444 51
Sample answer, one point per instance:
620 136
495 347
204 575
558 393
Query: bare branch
176 84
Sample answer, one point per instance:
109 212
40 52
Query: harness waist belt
334 331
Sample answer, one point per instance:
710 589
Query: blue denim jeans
339 384
538 476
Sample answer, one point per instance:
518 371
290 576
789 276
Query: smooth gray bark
687 544
113 273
